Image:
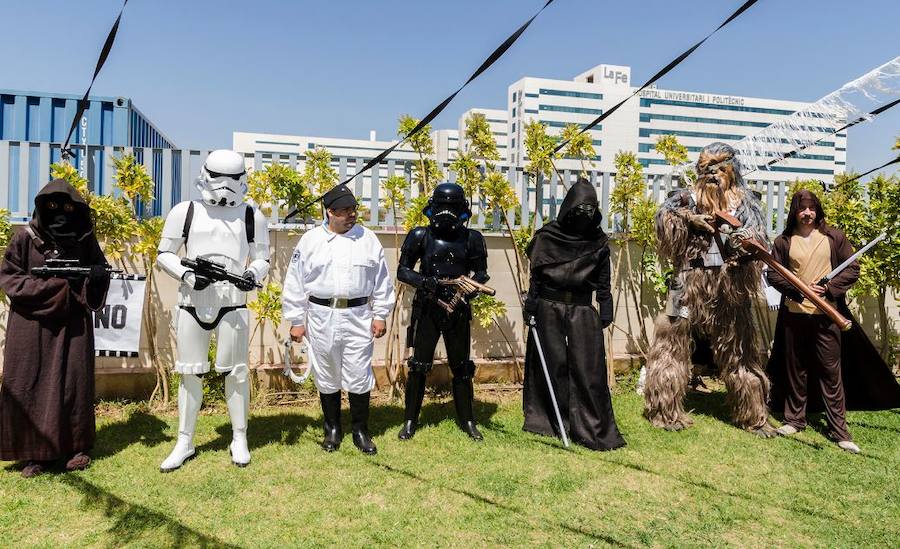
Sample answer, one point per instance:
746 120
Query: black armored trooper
446 249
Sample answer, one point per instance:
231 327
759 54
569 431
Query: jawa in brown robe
47 396
710 296
569 266
812 361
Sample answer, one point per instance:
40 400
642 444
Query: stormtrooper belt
211 325
339 302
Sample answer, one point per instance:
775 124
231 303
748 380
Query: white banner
117 326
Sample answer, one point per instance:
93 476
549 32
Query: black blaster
214 271
66 268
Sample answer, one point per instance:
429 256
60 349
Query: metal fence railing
25 167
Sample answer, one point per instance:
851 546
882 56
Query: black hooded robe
571 334
47 396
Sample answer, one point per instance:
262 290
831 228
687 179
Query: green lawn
711 485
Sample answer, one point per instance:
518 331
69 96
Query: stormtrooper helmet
223 179
447 209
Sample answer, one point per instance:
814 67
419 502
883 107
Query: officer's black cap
339 197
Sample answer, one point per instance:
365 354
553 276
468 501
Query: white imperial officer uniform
335 286
221 228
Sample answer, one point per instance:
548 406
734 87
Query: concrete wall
135 377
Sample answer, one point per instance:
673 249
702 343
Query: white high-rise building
695 118
446 143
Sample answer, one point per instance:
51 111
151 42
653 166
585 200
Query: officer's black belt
211 325
339 302
565 296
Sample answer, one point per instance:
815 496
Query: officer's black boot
331 409
415 392
463 395
359 413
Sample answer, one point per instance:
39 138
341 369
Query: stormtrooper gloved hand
195 281
248 281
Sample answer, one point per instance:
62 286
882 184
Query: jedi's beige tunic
810 260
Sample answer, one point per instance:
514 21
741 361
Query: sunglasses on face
234 176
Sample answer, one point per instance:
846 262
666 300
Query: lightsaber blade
540 350
824 280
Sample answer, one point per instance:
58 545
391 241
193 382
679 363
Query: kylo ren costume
569 263
447 249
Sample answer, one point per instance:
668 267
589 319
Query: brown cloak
47 396
868 381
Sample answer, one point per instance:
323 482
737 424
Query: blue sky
201 69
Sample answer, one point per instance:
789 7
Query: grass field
710 485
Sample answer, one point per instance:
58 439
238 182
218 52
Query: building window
800 170
576 110
531 95
564 93
496 120
530 111
514 127
514 112
840 149
557 124
647 117
740 108
512 143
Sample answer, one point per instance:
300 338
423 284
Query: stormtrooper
219 228
446 249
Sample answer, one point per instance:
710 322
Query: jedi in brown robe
813 365
47 396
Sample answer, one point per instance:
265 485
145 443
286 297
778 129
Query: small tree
6 232
629 189
676 155
426 174
279 185
318 176
539 148
481 140
634 223
580 146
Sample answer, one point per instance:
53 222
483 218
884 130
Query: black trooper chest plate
445 258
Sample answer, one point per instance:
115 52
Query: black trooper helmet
447 209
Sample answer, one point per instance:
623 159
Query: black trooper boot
463 395
415 393
331 409
359 412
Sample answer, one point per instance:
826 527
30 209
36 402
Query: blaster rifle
214 271
758 251
65 268
463 287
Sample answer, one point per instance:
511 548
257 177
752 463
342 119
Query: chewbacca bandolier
710 296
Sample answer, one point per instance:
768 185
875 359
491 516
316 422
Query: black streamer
83 103
674 63
496 54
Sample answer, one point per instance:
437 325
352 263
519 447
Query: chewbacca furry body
717 301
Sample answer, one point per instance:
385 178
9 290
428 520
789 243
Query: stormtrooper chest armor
219 233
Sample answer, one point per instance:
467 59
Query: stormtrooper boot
190 396
237 396
415 393
331 410
359 412
463 395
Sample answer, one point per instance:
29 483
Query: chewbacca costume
47 397
813 365
709 297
